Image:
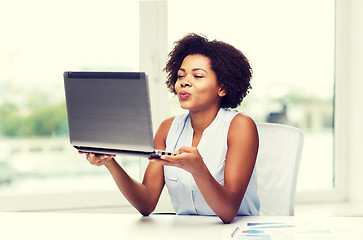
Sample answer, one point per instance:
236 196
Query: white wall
355 100
349 98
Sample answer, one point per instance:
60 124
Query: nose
184 82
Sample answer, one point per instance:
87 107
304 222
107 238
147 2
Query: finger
176 152
169 157
163 162
174 158
85 153
91 157
185 149
98 164
97 161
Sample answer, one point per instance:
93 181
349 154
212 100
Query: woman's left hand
187 158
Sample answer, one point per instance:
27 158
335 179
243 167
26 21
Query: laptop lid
109 112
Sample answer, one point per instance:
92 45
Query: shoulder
162 133
165 125
241 120
242 126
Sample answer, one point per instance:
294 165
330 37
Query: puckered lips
183 95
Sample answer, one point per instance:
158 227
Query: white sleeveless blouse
184 193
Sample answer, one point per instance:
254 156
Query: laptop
109 113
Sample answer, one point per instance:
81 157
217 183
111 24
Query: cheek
208 90
176 86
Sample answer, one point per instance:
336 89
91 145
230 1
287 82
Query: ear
222 92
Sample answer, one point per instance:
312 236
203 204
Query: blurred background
301 53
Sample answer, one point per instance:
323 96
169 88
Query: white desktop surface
67 226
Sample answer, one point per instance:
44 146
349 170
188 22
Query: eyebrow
194 69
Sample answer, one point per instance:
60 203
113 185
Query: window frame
341 109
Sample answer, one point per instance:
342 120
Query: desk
68 226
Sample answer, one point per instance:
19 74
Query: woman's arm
240 160
143 196
242 150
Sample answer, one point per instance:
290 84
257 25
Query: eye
198 76
180 76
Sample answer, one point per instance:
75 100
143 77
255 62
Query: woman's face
196 86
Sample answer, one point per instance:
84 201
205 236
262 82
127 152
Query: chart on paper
282 231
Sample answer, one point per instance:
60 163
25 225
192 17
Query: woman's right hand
98 160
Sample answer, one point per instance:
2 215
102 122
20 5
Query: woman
212 171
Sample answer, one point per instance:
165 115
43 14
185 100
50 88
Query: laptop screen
109 110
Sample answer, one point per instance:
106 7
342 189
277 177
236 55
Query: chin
184 107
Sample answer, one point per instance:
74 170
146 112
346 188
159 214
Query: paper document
282 231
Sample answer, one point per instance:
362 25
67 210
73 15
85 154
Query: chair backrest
277 168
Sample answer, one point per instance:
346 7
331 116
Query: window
290 45
40 40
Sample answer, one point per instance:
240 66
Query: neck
200 120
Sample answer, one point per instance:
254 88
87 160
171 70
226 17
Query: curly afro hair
231 67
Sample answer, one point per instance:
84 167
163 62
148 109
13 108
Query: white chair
277 168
